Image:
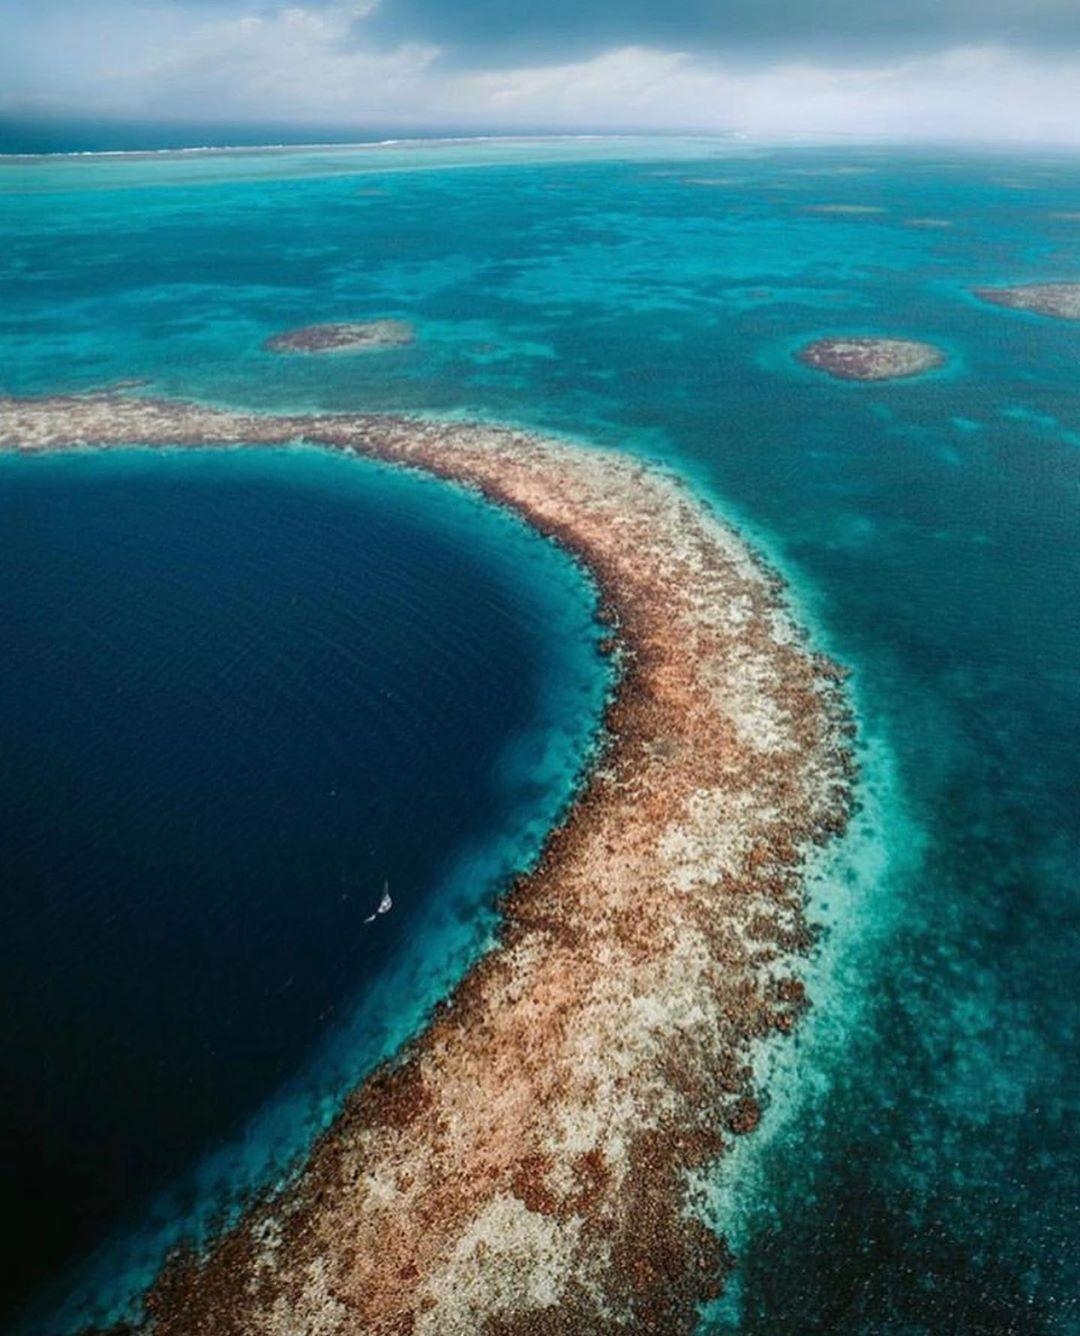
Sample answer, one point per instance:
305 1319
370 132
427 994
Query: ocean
200 647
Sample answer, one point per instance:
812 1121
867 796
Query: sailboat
385 904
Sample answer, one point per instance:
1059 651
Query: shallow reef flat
353 336
522 1166
1057 299
871 359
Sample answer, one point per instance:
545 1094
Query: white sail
385 904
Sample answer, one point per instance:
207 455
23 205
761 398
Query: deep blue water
241 692
917 1168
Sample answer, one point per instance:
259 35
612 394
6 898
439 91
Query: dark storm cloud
526 31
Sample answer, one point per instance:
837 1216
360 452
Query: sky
998 70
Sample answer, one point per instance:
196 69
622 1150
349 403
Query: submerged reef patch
854 210
522 1167
871 359
1056 299
342 338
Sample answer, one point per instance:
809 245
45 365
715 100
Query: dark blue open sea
238 692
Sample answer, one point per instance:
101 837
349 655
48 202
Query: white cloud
294 62
965 93
181 61
625 84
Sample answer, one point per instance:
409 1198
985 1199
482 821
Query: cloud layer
833 30
347 63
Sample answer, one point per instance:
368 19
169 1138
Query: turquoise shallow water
916 1171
